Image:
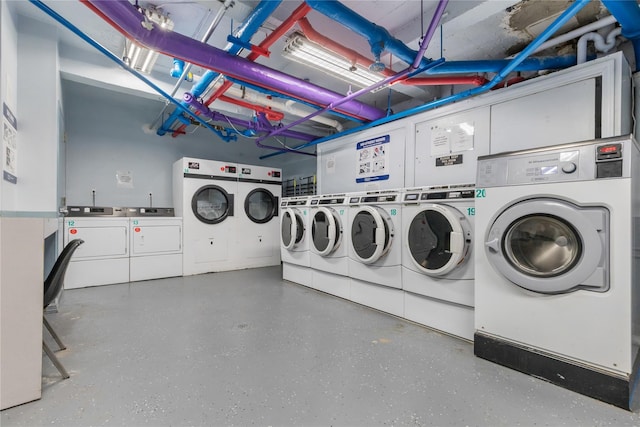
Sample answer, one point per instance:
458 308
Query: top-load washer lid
291 228
261 205
326 231
551 246
212 204
371 234
438 239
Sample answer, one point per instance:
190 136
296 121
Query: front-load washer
330 236
375 250
437 259
156 244
203 195
557 284
294 240
103 259
257 209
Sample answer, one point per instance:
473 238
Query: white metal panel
96 272
155 267
155 239
103 237
555 116
476 125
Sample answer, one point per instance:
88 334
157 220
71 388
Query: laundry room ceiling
470 30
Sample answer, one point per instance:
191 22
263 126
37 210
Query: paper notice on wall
330 166
9 145
124 179
372 159
451 138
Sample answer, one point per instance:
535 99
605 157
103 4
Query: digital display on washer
410 197
314 202
354 200
275 174
331 201
549 170
230 169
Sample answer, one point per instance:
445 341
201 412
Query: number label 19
471 211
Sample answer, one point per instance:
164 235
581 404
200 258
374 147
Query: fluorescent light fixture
305 52
138 57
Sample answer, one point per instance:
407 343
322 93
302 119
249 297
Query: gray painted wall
105 136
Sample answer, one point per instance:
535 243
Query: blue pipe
248 28
178 69
573 9
52 13
627 13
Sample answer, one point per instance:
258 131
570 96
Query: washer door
291 228
212 204
371 234
551 246
261 205
326 231
437 240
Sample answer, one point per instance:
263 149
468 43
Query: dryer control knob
569 167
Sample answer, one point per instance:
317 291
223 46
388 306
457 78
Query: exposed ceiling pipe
380 37
270 114
450 80
245 32
259 125
571 11
387 81
601 44
300 12
288 106
627 12
64 22
594 26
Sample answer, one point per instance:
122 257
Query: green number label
480 193
135 222
71 223
341 211
304 212
393 211
471 211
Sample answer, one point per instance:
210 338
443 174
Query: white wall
105 135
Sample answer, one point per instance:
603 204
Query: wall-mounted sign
9 145
372 159
455 159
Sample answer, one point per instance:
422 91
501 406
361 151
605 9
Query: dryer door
437 240
326 231
371 234
551 246
291 228
211 204
261 205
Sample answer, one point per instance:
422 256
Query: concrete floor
246 348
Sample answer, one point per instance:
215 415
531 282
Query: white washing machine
257 209
156 244
103 259
557 282
204 194
375 250
330 236
294 240
437 259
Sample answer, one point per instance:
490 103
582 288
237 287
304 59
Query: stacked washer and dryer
558 265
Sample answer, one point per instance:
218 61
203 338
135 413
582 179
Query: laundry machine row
230 213
122 245
294 240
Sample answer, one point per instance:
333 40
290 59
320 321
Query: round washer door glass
212 204
370 235
261 205
326 231
436 240
542 246
291 228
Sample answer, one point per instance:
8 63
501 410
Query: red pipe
324 41
105 17
269 113
455 80
300 12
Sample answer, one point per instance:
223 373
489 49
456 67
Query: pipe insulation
174 44
601 44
